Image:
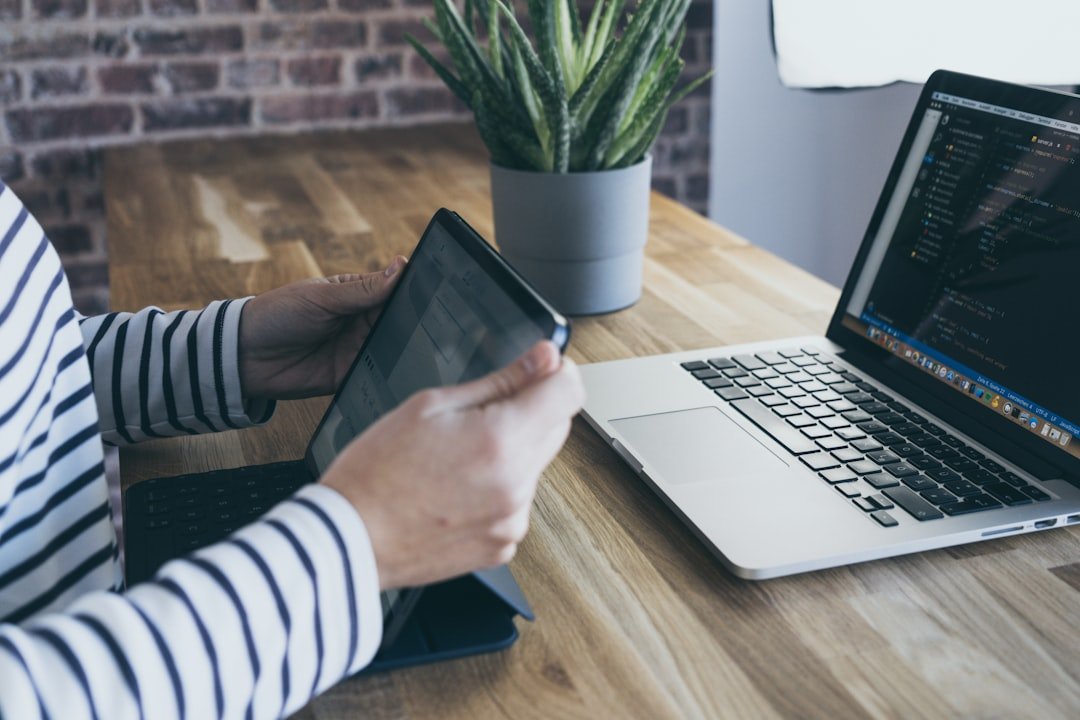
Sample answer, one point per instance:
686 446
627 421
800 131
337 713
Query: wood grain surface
635 618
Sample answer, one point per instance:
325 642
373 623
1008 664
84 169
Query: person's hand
299 340
444 483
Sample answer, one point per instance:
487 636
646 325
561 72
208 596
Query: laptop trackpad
695 445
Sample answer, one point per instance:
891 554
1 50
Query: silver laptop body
937 410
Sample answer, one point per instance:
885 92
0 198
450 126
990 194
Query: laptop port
1070 519
1043 524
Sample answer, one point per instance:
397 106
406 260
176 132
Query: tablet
458 312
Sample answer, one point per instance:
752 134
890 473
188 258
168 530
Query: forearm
253 626
157 374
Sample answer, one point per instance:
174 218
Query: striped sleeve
157 374
252 627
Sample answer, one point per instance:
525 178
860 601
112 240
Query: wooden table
636 619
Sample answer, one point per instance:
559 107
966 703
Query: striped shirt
251 627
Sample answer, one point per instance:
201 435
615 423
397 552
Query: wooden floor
635 618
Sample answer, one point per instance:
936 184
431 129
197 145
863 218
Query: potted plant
569 119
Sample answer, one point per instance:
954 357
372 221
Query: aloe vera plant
583 97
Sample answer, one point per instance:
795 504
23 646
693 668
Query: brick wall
79 75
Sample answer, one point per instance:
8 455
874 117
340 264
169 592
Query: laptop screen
972 275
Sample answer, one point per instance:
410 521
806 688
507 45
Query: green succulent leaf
574 98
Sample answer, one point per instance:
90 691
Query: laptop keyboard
171 516
878 453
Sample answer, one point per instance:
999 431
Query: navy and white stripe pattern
251 627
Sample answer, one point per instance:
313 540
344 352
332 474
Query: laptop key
880 481
770 357
776 428
850 433
705 374
882 502
972 453
747 381
833 423
735 372
765 374
717 383
1034 493
874 408
991 465
786 410
847 455
975 503
1006 493
941 452
905 449
865 467
883 457
884 519
846 388
858 416
864 504
831 443
872 427
841 406
759 391
848 490
910 501
938 496
749 362
923 462
962 488
1013 479
942 474
721 363
980 476
865 444
961 464
731 393
820 461
920 483
694 365
900 469
838 475
889 439
800 421
773 401
816 432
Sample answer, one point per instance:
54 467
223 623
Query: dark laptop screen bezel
1037 101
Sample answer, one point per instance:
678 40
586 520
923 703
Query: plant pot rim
502 168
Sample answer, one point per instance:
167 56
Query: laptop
458 312
941 407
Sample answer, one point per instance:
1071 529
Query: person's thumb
353 293
536 363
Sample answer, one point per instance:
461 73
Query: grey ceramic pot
578 237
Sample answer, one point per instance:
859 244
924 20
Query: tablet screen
454 317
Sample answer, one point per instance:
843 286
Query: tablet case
464 616
170 517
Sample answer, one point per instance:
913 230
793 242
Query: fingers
352 293
536 363
556 397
